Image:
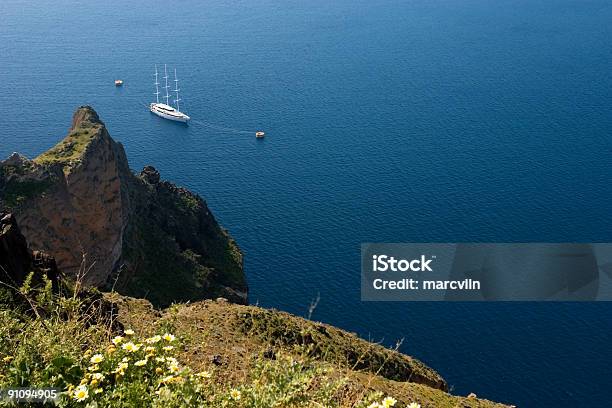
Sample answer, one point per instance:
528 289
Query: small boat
259 135
165 110
118 82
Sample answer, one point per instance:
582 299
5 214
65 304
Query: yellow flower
154 339
83 381
81 393
158 370
168 348
169 337
174 368
204 374
121 368
168 379
390 401
111 349
150 349
7 359
97 376
235 394
97 358
414 405
129 332
117 340
130 347
140 363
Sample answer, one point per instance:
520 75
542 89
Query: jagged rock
15 159
80 202
216 360
16 259
150 175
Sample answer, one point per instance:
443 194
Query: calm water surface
386 121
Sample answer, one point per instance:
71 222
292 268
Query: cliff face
17 260
148 238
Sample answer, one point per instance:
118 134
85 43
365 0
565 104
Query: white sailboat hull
168 112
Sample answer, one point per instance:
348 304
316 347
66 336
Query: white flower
117 340
81 393
204 374
96 358
140 363
153 339
129 332
235 394
97 376
414 405
169 337
130 347
388 402
121 368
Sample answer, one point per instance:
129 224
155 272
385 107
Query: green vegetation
330 344
189 202
71 148
179 275
183 255
60 343
241 335
16 192
114 351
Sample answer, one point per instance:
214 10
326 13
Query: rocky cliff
111 228
17 260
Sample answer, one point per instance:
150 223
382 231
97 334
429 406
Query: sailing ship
165 110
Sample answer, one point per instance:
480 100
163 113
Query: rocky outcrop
70 201
141 235
17 261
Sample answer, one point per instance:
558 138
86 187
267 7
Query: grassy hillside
117 351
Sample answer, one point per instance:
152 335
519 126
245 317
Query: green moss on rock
71 148
16 191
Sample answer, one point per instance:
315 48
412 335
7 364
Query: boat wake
223 128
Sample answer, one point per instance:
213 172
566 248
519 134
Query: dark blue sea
385 121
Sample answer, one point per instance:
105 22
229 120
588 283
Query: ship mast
176 89
166 78
156 85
